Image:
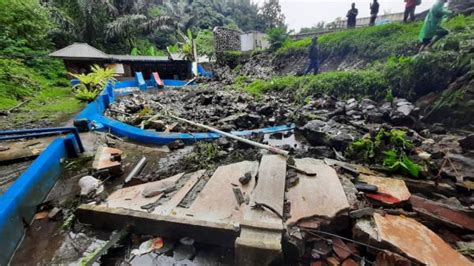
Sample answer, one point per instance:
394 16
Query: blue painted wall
19 202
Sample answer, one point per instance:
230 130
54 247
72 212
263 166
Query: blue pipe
37 132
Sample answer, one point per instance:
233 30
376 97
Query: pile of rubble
308 211
225 110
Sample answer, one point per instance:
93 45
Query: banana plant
90 85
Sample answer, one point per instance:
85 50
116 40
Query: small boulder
467 143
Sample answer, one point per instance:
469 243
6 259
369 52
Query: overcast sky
306 13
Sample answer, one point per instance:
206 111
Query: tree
244 13
271 15
277 37
105 22
205 43
24 27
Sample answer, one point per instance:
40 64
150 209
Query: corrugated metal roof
85 51
79 50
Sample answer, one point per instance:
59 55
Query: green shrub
277 38
389 148
416 76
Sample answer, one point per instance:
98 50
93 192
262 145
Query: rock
361 213
410 237
438 128
90 186
341 141
467 143
175 145
265 110
390 190
223 143
460 167
314 132
244 180
157 125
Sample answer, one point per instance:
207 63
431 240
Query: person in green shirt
432 31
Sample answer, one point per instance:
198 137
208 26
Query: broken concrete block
108 159
409 237
390 190
443 213
321 196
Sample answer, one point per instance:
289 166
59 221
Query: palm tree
130 26
181 12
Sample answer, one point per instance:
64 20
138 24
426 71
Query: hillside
376 62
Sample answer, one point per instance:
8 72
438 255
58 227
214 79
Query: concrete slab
321 196
167 207
261 229
390 190
131 197
216 202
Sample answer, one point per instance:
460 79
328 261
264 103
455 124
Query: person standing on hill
313 57
352 16
374 10
410 6
432 31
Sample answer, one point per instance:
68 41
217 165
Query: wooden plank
131 197
217 202
167 207
103 217
319 196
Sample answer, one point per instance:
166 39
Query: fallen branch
229 135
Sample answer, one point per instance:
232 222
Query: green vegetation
390 148
205 43
380 42
26 72
90 85
277 37
345 84
401 164
204 156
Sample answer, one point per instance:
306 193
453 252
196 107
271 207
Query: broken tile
390 190
341 249
443 213
409 237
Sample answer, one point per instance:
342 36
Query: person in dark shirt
374 10
410 7
313 57
351 16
